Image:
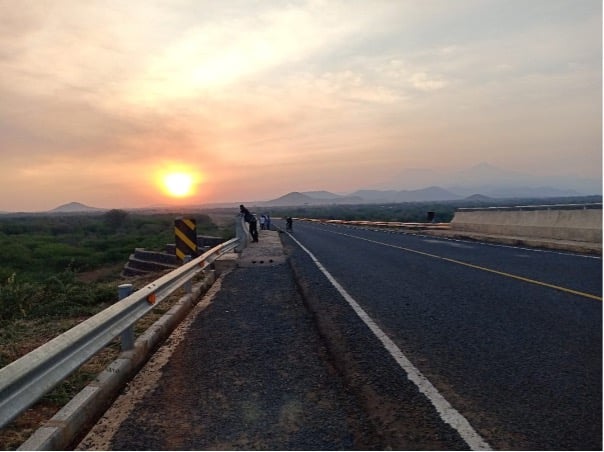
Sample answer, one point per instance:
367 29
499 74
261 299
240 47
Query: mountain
424 194
496 182
321 194
300 199
361 197
75 207
479 182
291 199
499 191
428 194
478 197
377 195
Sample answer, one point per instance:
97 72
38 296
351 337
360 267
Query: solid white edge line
447 413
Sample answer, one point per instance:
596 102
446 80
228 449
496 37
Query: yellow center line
478 267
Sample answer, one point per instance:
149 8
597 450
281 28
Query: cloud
425 82
292 91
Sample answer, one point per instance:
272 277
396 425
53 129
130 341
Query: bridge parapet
576 222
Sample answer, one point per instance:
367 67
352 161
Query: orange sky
100 98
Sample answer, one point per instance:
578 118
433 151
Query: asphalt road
510 337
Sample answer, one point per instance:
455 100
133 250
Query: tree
115 218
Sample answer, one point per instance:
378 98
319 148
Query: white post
188 286
123 290
241 233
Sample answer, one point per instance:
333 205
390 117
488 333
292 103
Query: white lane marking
447 413
474 242
450 243
477 267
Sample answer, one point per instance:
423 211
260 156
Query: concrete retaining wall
577 223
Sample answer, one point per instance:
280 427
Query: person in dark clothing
289 224
251 219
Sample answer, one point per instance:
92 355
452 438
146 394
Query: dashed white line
447 413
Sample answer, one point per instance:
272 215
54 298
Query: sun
178 184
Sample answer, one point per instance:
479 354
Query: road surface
511 338
368 339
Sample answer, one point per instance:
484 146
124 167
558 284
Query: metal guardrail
589 206
381 224
26 380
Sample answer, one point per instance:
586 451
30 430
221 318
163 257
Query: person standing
251 219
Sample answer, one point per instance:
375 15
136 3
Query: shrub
17 298
40 256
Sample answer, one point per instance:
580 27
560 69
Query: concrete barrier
581 223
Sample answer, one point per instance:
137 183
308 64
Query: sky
101 99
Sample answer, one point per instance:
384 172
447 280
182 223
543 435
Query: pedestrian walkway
250 373
265 252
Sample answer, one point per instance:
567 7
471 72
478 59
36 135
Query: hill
316 198
321 194
320 198
478 197
496 182
75 207
423 194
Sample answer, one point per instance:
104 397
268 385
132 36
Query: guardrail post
188 286
240 233
127 336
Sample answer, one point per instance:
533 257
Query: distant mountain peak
71 207
290 199
478 197
322 197
321 194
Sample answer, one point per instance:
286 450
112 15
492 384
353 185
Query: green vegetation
42 257
58 269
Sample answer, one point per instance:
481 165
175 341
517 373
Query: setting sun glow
178 184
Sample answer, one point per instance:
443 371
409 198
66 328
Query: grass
23 336
57 271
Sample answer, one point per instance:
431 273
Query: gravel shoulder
272 358
247 370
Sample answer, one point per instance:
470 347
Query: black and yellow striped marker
185 232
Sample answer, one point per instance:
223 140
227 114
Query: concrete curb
529 242
85 409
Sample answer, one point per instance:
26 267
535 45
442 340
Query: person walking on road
251 219
289 221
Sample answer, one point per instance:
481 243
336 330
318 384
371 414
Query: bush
41 255
17 298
